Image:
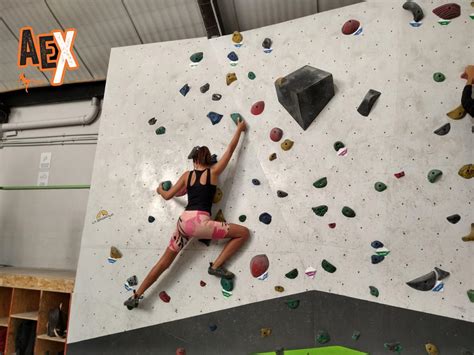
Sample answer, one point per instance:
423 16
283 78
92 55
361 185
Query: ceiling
103 24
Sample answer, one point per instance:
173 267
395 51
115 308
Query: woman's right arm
220 166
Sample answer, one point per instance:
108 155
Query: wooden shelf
47 337
26 315
4 322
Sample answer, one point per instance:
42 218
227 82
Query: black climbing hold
152 121
374 291
348 212
216 97
214 117
338 145
443 130
265 218
376 244
205 241
212 327
328 266
160 130
304 93
439 77
377 258
281 194
355 335
320 210
227 284
320 183
184 90
251 75
267 43
424 283
256 182
132 280
323 337
151 219
204 88
197 57
455 218
242 218
233 56
434 175
369 100
380 186
441 274
292 304
415 9
292 274
213 159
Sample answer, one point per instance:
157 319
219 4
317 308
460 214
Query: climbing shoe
220 272
132 302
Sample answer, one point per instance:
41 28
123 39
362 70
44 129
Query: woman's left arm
178 187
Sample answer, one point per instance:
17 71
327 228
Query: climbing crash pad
304 93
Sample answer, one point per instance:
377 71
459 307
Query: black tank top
200 196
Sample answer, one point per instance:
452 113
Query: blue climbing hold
214 117
212 327
377 258
376 244
265 218
256 182
233 56
184 90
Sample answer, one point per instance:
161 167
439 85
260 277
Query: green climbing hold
160 130
293 304
434 175
348 212
320 210
374 291
227 284
166 185
355 335
338 145
395 347
439 77
197 57
470 294
328 266
242 218
323 337
251 75
380 186
292 274
236 117
320 183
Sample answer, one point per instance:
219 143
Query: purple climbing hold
377 259
184 90
265 218
214 117
376 244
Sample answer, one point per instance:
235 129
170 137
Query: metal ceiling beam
211 17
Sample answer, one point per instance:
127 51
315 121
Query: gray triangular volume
441 273
424 283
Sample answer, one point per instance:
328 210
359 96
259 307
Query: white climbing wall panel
409 217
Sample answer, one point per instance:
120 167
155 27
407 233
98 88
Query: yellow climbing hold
264 332
470 236
280 81
115 253
220 217
458 113
237 37
431 349
230 78
467 171
287 144
217 196
272 156
279 288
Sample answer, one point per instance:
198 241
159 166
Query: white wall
43 228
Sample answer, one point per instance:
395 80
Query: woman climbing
195 221
467 101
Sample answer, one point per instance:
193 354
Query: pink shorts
196 224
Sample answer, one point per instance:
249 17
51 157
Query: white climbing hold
264 276
310 272
342 152
382 251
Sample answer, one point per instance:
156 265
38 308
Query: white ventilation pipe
76 121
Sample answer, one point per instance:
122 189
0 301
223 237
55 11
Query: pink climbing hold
276 134
181 351
350 27
257 108
448 11
332 225
164 296
400 174
202 283
259 265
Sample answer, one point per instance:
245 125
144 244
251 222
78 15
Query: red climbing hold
350 27
257 108
276 134
259 265
164 296
400 174
181 351
202 283
332 225
448 11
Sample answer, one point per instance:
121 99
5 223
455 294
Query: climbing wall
409 217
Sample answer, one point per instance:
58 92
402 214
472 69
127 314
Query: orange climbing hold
470 236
